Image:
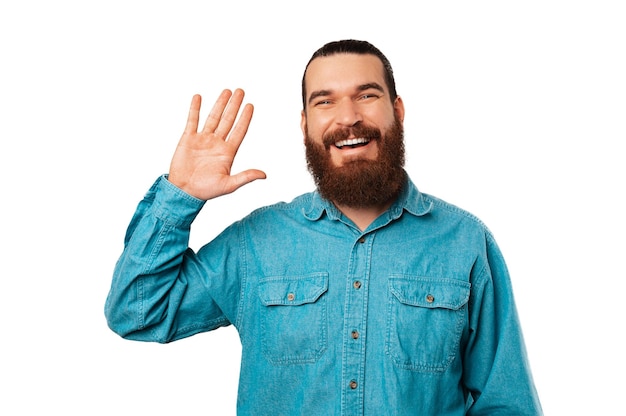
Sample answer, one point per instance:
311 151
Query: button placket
355 325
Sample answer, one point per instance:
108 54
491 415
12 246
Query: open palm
203 159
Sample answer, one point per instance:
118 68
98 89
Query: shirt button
430 298
357 284
362 240
355 334
291 296
353 384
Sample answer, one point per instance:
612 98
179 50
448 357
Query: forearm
147 287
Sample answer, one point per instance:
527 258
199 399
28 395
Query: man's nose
348 113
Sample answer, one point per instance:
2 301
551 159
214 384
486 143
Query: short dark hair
359 47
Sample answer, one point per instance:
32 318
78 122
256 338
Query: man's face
353 132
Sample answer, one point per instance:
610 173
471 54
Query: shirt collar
410 200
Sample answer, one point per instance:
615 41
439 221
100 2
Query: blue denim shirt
413 316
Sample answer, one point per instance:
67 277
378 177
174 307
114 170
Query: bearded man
365 297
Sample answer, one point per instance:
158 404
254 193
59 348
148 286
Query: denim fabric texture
413 316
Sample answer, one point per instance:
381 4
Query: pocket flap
430 292
292 290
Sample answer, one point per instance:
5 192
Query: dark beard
359 183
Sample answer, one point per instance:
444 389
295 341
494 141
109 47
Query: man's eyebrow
319 93
363 87
371 85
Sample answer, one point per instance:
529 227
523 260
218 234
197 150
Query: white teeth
351 142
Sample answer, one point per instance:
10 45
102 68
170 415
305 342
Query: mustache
359 130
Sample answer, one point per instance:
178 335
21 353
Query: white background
515 111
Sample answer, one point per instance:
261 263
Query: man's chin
352 161
352 167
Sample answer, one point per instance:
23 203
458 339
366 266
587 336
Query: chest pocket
294 323
426 319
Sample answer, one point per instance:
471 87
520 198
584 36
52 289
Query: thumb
243 178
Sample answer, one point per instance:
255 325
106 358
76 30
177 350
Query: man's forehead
344 67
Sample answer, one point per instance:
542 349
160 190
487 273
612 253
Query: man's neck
363 217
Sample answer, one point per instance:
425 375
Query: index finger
241 127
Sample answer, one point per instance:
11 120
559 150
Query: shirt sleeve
160 290
496 368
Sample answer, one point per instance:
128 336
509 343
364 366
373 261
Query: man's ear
303 124
398 108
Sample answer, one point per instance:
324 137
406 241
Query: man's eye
368 96
322 102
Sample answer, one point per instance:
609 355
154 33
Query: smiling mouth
352 143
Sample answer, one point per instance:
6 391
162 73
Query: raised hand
202 163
